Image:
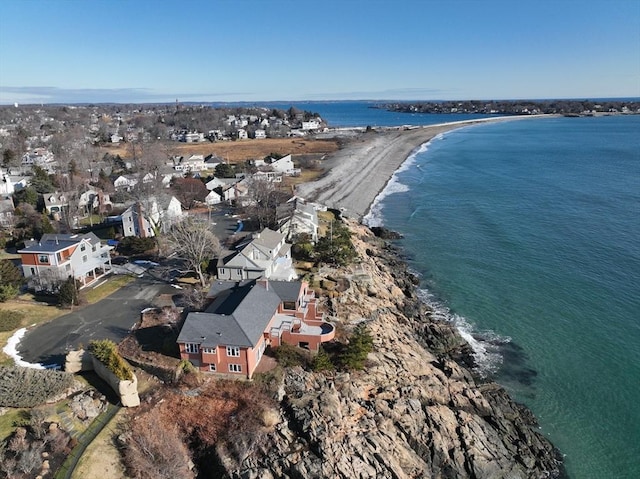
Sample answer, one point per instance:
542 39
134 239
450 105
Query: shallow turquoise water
528 232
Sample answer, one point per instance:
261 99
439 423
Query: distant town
517 107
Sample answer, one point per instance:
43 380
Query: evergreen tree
68 294
322 361
360 345
10 280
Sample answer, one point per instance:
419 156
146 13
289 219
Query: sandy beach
357 173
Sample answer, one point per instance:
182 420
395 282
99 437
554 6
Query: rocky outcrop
416 410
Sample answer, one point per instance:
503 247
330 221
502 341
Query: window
212 367
235 368
84 258
290 305
93 248
68 267
209 350
43 258
59 256
191 348
82 247
233 351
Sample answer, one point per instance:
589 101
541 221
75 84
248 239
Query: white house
38 156
242 134
95 200
214 183
57 256
260 134
6 185
193 163
213 198
263 255
297 217
235 191
310 125
285 165
268 175
144 220
125 182
55 202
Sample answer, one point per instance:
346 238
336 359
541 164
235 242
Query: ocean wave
485 344
375 217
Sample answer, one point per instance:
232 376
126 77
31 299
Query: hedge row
106 352
28 387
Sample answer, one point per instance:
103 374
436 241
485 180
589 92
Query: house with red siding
56 257
231 335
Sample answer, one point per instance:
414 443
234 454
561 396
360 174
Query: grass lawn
9 419
101 460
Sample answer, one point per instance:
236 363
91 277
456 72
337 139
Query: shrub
11 280
132 245
322 361
7 292
68 293
289 356
27 387
360 345
106 352
336 247
10 320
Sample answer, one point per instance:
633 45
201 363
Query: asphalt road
112 318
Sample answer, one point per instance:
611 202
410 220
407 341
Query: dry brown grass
101 460
241 150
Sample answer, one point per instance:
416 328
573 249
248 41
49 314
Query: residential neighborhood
114 226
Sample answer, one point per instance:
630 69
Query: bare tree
193 240
263 206
155 450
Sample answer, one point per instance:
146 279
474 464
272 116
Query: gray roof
238 315
286 290
51 242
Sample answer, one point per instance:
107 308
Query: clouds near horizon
119 51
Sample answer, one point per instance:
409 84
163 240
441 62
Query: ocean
527 235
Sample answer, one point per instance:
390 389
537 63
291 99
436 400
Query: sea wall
416 410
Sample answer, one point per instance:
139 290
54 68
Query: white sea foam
374 217
11 350
485 344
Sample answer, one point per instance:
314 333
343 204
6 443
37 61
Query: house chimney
141 231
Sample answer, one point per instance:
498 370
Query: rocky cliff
416 410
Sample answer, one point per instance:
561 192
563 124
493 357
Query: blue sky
250 50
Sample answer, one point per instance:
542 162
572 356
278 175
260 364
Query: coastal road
111 318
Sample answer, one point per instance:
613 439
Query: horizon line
365 100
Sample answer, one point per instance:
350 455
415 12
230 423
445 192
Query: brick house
231 335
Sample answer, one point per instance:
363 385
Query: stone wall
82 360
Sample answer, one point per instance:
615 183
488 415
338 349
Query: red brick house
244 318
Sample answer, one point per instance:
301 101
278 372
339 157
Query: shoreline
360 171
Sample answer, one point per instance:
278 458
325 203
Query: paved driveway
111 318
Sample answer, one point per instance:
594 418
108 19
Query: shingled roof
238 315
